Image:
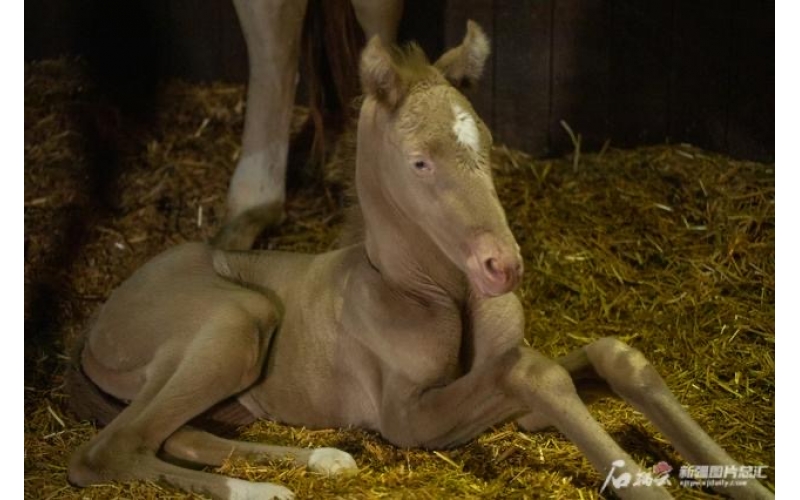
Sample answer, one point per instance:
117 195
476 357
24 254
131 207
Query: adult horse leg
272 30
183 380
379 18
609 367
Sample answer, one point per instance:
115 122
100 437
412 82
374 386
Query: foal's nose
500 272
495 265
504 270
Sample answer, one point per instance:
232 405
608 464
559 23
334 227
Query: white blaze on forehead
465 128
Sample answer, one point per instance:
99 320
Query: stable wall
633 72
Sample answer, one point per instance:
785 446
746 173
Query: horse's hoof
332 462
241 231
246 490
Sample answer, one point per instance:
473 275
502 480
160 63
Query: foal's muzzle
494 265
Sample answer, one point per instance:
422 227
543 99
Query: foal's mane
412 63
415 68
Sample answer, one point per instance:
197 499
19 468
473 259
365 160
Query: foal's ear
380 76
463 65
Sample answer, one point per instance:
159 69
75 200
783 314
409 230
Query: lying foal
413 332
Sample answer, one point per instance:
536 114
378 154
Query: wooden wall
630 71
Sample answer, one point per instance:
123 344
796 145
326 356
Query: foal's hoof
332 462
245 490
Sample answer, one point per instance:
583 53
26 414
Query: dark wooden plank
581 46
751 115
700 72
50 28
641 35
457 12
522 83
119 42
193 51
423 22
233 50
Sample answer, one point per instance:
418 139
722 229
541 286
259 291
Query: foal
412 333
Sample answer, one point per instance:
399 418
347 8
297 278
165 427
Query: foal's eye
421 165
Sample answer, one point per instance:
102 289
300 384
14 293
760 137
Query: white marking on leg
245 490
465 128
332 462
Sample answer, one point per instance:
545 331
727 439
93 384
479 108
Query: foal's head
429 152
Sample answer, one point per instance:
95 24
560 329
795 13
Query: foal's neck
405 256
410 262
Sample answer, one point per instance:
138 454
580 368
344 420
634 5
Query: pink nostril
494 269
494 265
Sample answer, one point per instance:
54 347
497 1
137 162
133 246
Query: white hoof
332 462
245 490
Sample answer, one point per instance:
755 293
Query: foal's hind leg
184 380
201 447
611 367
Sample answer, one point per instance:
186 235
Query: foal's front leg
611 364
503 387
506 380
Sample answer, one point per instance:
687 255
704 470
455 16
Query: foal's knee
625 368
540 377
241 341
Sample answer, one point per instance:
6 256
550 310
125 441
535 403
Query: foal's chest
420 342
